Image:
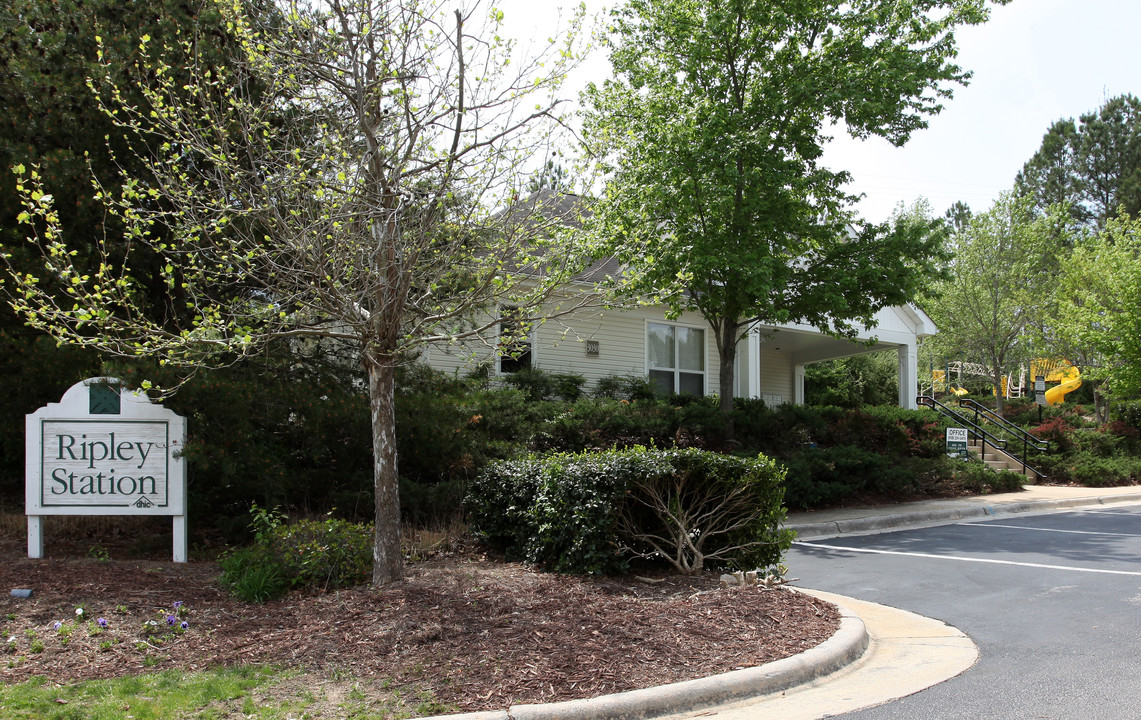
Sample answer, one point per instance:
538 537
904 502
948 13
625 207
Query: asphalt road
1053 602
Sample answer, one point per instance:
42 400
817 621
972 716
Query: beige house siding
770 360
776 375
560 346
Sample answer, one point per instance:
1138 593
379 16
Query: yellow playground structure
1014 385
1068 377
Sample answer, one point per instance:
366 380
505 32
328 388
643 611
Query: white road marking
1118 513
989 561
1054 530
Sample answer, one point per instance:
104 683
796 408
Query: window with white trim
514 343
676 359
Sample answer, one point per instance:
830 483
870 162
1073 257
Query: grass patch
159 696
252 692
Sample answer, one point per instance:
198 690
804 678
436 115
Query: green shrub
703 508
317 554
624 387
602 423
1093 471
555 511
36 371
588 512
253 574
324 554
1129 412
277 432
539 385
974 476
827 476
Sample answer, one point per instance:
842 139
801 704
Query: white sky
1035 62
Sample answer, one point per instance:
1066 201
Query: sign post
957 443
104 450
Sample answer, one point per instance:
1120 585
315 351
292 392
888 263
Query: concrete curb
889 521
843 648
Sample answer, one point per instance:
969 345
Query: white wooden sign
105 450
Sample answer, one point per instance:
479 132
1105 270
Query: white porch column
754 381
908 376
797 384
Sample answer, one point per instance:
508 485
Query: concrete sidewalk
1034 499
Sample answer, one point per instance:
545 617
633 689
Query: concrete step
998 460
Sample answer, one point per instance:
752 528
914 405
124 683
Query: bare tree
343 178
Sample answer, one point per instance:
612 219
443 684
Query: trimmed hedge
586 513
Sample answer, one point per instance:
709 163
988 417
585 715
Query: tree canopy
342 178
1093 165
711 137
1000 280
49 51
1099 306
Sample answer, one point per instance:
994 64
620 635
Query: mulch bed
477 633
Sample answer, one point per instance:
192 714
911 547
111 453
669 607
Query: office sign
957 443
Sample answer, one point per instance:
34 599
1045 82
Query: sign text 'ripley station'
98 452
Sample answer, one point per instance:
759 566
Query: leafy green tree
1001 276
1099 308
854 381
711 138
367 220
1094 164
49 50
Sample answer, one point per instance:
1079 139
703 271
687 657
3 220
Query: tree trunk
387 559
727 355
996 367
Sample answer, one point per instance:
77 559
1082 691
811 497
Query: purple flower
184 625
171 620
57 625
102 622
177 604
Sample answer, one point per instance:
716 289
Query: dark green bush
555 511
324 554
316 554
703 509
1129 412
624 387
1092 470
562 511
974 476
539 385
602 423
827 476
272 432
35 372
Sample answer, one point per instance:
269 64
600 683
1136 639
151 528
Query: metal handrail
1028 440
973 427
977 429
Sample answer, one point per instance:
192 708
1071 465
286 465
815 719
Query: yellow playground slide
1071 379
